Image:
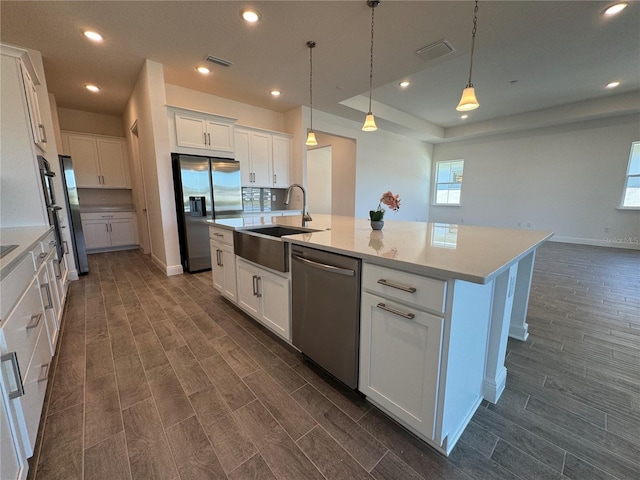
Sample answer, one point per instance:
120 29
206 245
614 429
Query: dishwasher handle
323 266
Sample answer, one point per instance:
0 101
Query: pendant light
370 122
311 136
468 100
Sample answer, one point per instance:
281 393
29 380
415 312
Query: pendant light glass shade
311 138
468 100
369 123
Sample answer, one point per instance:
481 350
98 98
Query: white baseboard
72 275
629 242
492 388
174 270
519 332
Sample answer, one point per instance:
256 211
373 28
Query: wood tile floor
159 377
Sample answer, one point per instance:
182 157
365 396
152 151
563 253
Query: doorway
140 192
319 180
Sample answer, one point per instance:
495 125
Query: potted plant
390 200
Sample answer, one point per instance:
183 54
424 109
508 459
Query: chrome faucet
305 215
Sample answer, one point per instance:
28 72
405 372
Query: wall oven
46 177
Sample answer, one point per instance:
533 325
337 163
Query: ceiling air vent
218 61
436 50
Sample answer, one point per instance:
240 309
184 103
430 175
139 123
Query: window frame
627 177
434 198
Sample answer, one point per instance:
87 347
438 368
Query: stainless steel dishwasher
325 294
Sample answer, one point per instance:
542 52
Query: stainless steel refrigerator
205 188
73 207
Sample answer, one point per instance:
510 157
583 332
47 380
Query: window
448 182
631 194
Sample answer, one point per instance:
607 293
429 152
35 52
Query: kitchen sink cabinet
223 263
265 296
111 231
98 161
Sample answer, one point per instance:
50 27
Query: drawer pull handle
48 291
35 321
56 266
404 288
218 235
19 388
43 378
52 243
65 246
42 256
408 316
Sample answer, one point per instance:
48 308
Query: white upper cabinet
98 162
264 158
37 127
204 132
281 161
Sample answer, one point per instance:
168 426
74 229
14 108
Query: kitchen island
438 303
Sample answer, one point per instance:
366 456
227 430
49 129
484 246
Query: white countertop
26 238
472 253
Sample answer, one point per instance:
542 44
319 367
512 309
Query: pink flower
391 200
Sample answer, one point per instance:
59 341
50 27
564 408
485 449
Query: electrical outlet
462 220
606 229
274 198
529 225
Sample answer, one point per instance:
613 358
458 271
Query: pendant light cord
311 44
373 9
473 41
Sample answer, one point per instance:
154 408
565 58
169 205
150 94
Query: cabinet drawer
423 292
221 235
106 215
35 386
14 284
48 243
22 327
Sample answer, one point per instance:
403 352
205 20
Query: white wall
384 161
565 179
147 106
88 122
245 114
319 180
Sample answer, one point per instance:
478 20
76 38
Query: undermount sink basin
264 246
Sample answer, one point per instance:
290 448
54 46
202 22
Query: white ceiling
558 52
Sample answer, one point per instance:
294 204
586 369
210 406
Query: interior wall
319 180
567 179
139 107
384 161
343 172
245 114
88 122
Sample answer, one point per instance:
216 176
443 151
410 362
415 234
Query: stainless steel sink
264 245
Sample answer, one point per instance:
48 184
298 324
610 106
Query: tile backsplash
263 199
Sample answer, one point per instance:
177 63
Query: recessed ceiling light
405 83
615 9
464 117
612 84
250 16
203 70
92 88
275 93
95 36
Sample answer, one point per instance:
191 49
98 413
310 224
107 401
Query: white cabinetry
264 158
223 262
98 161
27 341
423 350
11 463
265 296
203 132
111 231
37 127
281 161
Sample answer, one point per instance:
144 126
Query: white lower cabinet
400 351
109 231
11 463
265 296
223 269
